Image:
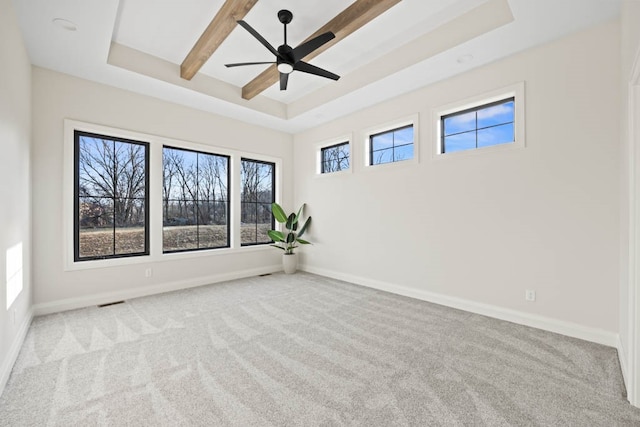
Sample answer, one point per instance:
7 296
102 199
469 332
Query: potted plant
288 240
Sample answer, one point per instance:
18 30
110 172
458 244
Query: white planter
290 263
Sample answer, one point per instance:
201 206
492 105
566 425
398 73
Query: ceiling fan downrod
285 17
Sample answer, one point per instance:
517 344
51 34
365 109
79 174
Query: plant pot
290 263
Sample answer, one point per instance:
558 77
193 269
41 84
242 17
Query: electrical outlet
530 295
148 272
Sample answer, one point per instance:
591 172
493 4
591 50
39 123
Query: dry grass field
96 243
100 242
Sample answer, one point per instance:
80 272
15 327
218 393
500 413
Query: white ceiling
138 45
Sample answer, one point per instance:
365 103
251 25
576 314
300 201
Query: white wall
15 188
58 96
486 227
630 46
630 33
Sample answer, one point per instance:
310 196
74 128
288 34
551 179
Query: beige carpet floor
304 350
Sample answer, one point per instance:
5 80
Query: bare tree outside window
111 197
257 182
195 200
335 158
394 145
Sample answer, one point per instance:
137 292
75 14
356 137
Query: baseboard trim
104 298
622 357
570 329
14 350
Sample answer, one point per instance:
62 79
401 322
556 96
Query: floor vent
266 274
110 303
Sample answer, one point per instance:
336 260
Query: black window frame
476 129
228 201
77 134
323 161
393 147
273 199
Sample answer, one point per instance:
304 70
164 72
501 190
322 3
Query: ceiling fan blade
261 39
306 48
284 79
312 69
240 64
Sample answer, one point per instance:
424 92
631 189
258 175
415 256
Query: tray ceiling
139 45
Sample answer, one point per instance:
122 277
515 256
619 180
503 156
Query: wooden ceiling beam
346 22
218 30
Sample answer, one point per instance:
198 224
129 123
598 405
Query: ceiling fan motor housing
286 55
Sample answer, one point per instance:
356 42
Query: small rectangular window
195 200
391 146
335 158
257 193
478 127
111 197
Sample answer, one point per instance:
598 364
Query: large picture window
257 193
110 197
195 200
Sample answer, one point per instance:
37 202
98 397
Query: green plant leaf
303 242
278 213
276 235
297 218
279 247
291 238
292 222
304 227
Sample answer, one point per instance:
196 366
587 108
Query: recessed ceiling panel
147 40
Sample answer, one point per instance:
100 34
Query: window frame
398 124
476 129
274 198
392 148
228 201
77 134
515 91
331 143
323 161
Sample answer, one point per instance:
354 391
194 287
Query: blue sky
460 131
401 140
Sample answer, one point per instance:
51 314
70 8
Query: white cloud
494 111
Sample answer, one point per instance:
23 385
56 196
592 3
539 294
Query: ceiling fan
289 59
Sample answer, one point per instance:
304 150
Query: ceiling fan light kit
289 59
283 67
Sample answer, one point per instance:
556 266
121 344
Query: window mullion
115 186
196 201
